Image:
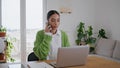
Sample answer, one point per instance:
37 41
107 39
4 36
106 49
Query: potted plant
102 34
9 44
2 31
81 33
85 36
5 56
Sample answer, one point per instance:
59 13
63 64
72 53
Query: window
34 21
11 20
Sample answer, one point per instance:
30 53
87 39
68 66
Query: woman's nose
56 23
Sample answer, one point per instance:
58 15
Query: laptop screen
71 56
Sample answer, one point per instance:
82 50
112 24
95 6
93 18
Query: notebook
71 56
15 66
38 65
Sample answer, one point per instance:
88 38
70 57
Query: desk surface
92 62
96 62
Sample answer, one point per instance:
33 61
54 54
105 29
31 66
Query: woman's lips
54 27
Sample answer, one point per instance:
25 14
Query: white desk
25 65
5 65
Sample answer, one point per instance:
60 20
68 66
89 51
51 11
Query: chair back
32 57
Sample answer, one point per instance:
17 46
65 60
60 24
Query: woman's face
54 21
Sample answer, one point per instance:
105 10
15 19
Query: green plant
9 43
2 29
81 33
102 34
84 36
9 48
90 39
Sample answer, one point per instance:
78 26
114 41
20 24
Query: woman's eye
52 20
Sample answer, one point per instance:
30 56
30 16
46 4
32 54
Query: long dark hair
51 12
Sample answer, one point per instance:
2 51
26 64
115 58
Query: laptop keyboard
53 64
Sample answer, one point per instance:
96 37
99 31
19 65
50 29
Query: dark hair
51 12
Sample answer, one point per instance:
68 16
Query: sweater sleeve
42 45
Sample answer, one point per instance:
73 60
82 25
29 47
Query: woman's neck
54 31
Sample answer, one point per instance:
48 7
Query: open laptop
71 56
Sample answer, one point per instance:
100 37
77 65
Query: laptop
71 56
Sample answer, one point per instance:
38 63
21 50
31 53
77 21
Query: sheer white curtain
23 18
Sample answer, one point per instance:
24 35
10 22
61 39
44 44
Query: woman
50 39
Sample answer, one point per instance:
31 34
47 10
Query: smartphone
49 26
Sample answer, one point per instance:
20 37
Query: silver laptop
71 56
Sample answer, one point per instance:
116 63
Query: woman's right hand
48 28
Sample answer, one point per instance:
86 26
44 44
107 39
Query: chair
32 57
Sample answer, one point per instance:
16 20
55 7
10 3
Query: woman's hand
48 28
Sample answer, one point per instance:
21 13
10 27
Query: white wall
82 10
107 16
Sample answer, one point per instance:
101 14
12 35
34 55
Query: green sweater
42 44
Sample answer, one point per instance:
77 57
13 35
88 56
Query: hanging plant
9 48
